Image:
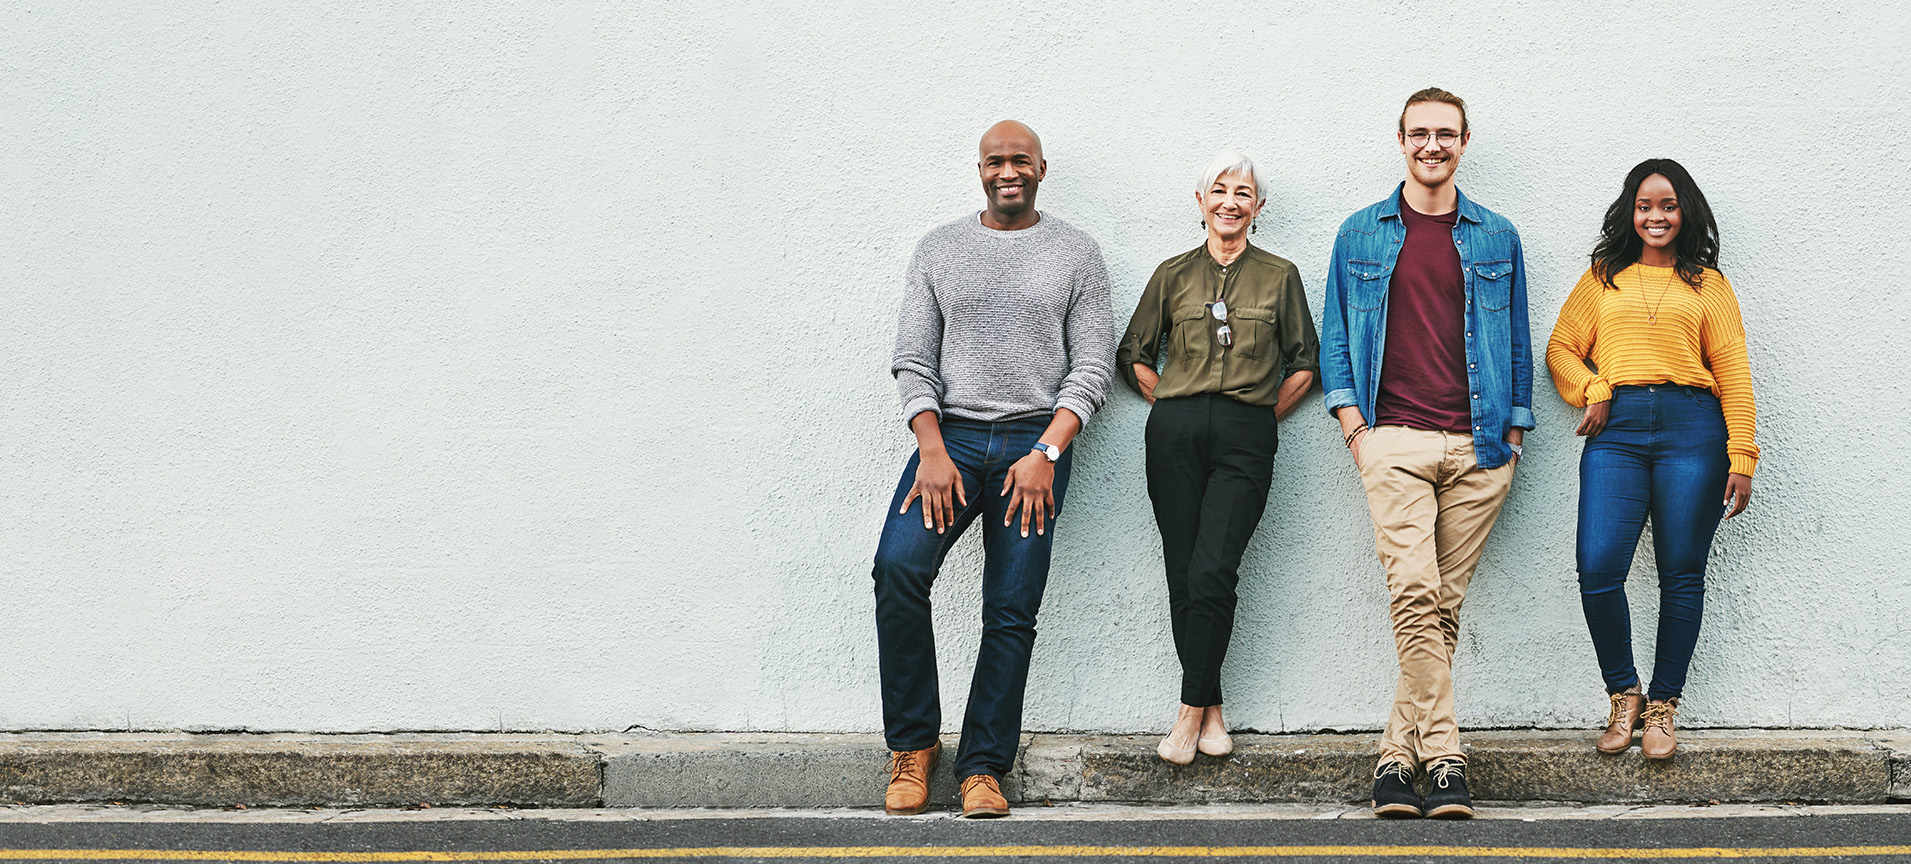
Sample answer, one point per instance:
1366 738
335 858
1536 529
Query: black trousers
1210 462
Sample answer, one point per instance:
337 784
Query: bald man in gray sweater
1004 349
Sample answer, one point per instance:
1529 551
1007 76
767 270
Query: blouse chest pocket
1493 284
1254 331
1367 287
1190 336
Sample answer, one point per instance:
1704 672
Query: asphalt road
1103 835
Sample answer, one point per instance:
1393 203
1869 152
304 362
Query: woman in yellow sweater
1650 343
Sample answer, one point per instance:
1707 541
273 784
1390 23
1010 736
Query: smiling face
1012 167
1432 163
1655 216
1230 205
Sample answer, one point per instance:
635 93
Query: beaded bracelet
1350 436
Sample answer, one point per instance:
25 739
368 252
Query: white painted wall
524 365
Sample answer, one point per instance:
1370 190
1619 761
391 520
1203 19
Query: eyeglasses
1219 309
1446 138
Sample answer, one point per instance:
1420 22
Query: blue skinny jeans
1014 574
1661 454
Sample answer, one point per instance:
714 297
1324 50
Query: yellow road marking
961 852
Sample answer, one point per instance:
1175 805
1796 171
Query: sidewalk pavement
828 770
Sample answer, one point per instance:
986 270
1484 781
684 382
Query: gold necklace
1652 312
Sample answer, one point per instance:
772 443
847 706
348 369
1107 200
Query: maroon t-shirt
1423 373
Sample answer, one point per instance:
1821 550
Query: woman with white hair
1239 353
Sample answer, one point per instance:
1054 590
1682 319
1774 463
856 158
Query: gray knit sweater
1000 325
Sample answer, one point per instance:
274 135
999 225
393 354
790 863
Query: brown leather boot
909 771
1658 742
1622 721
982 798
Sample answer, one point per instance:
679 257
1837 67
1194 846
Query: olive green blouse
1273 330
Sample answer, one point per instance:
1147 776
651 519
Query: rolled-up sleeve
1521 415
1142 341
1300 343
1336 364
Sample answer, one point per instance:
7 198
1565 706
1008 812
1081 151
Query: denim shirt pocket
1493 284
1254 333
1367 289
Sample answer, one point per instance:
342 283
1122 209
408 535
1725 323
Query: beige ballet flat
1221 746
1173 755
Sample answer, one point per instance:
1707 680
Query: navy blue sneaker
1394 797
1446 796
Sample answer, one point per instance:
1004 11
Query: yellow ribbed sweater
1699 340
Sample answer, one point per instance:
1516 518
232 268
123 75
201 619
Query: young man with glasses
1005 348
1426 362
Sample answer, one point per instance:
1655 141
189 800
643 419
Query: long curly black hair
1696 247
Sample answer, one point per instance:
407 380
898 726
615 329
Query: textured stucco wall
524 365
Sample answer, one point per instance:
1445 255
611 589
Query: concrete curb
294 770
798 770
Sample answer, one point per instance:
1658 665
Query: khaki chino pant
1432 506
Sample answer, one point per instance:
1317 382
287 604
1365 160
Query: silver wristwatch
1051 451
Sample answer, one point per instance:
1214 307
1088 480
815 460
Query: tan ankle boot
1658 742
909 771
1623 719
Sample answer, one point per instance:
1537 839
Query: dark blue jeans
1014 573
1662 454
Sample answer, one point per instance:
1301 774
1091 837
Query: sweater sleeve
1572 343
1722 338
1090 333
917 363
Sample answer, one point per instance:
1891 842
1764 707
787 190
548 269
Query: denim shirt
1499 356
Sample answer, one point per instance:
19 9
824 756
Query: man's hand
1738 493
1595 419
1146 377
1032 479
939 485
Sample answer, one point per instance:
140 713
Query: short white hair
1232 162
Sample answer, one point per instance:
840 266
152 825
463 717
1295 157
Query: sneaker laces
1399 769
1659 714
1446 770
